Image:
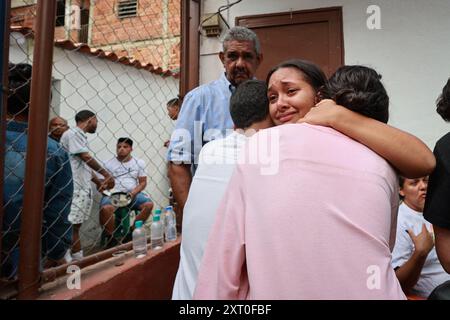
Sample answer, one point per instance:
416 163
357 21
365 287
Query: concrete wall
148 278
128 102
411 51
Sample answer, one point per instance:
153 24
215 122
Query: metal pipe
5 7
31 220
53 273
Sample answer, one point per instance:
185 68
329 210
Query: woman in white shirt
414 257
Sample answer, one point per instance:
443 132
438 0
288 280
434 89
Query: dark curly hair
359 89
249 104
443 102
19 88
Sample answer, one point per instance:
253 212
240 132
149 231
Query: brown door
314 35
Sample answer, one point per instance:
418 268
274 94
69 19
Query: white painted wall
411 51
127 101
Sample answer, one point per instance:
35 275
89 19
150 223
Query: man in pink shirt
320 226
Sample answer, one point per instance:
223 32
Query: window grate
127 8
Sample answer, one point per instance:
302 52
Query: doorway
314 35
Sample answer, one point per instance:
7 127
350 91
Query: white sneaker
77 255
68 256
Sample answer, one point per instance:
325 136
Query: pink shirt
319 224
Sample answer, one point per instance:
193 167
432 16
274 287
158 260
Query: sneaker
68 256
77 255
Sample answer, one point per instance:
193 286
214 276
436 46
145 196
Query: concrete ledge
151 277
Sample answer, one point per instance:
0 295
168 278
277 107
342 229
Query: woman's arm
407 153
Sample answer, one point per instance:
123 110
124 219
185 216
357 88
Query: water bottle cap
169 208
156 217
158 211
138 224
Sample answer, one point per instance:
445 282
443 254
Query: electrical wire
219 10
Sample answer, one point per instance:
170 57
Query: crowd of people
317 215
290 188
71 172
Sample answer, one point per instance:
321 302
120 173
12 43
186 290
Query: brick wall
148 24
23 16
153 36
174 17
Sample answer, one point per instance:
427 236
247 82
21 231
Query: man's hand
423 242
105 185
98 183
108 183
132 194
101 187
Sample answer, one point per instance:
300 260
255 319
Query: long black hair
359 89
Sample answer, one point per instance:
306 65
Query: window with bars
127 8
60 13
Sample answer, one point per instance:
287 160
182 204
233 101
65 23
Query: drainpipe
5 7
31 220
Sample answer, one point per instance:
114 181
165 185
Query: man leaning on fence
56 229
75 142
205 113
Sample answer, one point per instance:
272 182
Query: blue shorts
135 204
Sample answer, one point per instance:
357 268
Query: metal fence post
4 57
31 220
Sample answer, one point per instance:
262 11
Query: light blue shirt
204 116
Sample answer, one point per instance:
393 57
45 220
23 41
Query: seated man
414 257
130 177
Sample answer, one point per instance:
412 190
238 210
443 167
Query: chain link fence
118 59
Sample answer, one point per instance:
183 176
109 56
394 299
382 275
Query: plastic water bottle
157 231
139 240
170 224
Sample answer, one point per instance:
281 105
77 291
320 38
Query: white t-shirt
126 174
75 142
217 161
432 273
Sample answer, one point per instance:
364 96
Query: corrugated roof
99 53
